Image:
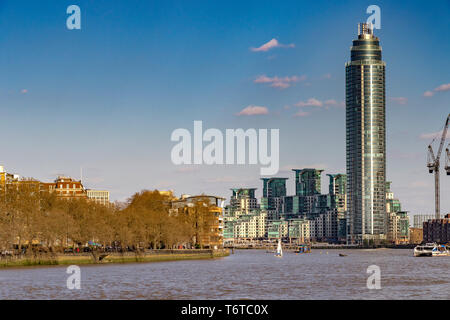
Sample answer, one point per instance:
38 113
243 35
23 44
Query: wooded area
33 223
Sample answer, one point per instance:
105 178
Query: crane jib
433 165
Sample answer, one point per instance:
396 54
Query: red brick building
65 187
437 230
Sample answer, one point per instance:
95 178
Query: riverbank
87 258
323 246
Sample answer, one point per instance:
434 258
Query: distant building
278 229
274 191
170 194
397 220
243 219
98 196
69 188
366 138
3 177
65 187
338 203
307 182
299 230
415 235
214 238
250 226
306 216
398 227
243 200
419 219
324 227
437 230
7 178
392 204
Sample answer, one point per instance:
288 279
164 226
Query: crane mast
447 161
434 164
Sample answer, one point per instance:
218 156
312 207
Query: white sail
279 248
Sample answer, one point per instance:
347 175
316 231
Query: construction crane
433 166
447 161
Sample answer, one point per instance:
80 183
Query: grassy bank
83 259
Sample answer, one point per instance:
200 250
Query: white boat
430 250
279 253
440 251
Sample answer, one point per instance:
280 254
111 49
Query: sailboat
279 253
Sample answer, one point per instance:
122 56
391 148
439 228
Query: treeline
32 221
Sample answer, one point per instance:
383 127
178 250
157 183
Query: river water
247 274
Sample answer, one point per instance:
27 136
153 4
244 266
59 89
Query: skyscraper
366 138
243 199
307 181
274 191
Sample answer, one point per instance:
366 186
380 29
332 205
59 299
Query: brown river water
246 274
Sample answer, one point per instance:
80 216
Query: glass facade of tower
366 137
307 181
274 189
338 202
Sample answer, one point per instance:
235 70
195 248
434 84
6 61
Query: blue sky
107 97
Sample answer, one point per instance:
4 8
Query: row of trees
34 221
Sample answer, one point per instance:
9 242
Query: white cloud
311 102
302 114
331 102
400 100
433 135
279 82
253 110
272 44
441 88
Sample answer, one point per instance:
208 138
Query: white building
98 196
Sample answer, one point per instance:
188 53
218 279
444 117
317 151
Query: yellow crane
434 164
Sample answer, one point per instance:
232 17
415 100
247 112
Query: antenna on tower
81 174
365 30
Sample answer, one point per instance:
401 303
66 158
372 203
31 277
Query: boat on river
431 250
303 248
440 251
279 253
